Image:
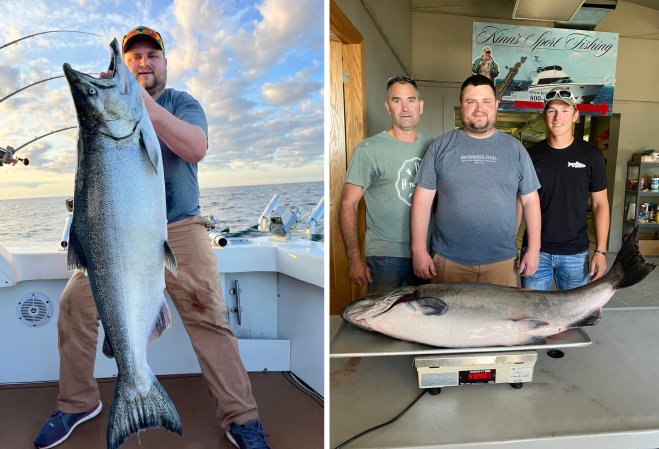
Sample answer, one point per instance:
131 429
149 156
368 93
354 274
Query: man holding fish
476 173
180 124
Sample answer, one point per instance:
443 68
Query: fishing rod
37 34
7 154
28 86
35 83
46 32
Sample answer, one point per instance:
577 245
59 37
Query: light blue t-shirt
181 182
477 181
385 167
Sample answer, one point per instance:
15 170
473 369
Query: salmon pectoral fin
132 411
429 306
149 142
589 320
162 323
170 260
75 258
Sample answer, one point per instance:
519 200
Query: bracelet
600 251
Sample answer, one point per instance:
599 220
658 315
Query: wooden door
347 124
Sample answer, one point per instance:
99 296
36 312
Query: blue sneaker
248 436
60 425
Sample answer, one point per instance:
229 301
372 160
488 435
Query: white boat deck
281 301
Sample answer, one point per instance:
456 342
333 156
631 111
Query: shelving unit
648 243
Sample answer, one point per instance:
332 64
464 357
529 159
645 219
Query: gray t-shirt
477 181
385 167
181 183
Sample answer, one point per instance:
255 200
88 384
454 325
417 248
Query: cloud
285 26
255 66
278 94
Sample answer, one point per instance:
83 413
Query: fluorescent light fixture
547 10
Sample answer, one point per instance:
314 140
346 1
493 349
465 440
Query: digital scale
447 367
567 403
449 370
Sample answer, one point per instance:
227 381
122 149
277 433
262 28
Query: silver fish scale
122 213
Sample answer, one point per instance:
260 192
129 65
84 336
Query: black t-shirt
567 177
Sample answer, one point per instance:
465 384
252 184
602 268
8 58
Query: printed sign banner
526 62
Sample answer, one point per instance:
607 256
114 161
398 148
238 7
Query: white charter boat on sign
550 77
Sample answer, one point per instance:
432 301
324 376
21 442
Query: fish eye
91 91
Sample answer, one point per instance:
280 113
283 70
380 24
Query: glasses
564 94
146 31
400 79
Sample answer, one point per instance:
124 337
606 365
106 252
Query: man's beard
471 125
154 85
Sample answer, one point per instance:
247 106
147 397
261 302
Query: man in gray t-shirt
477 172
382 171
182 130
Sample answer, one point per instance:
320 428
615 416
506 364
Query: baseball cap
562 94
142 33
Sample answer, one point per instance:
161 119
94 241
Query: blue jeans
389 273
568 271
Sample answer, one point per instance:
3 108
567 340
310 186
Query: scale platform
348 340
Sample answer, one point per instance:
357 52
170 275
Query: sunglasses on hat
560 94
144 31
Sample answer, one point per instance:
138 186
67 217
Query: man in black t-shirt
569 171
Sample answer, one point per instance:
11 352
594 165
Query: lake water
236 208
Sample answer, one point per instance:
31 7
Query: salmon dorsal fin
149 143
170 260
429 306
589 320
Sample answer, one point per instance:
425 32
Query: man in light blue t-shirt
477 172
382 171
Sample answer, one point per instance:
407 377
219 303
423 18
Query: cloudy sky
256 66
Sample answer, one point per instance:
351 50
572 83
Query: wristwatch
600 251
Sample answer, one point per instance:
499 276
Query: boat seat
31 262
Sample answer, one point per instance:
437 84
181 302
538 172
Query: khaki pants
499 273
198 299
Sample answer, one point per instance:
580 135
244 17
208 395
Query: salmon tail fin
630 262
162 323
131 412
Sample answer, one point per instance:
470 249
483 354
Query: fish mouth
75 77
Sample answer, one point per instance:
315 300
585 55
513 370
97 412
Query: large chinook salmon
461 315
119 236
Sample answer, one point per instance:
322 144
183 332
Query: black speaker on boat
34 309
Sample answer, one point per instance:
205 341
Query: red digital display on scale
477 376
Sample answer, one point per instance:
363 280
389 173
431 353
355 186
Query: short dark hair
402 80
477 80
